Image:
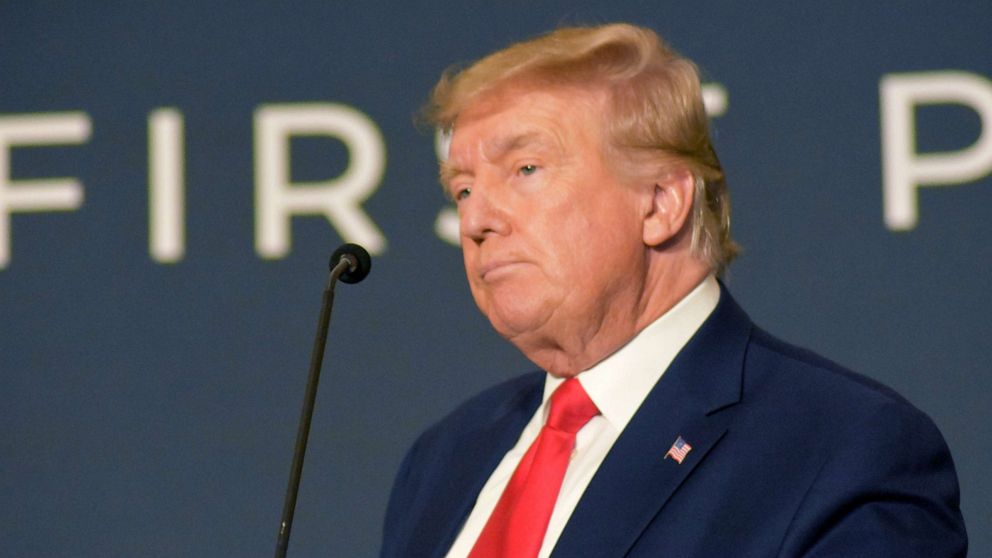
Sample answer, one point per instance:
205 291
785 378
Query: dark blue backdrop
149 408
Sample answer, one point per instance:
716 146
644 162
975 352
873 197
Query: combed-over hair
655 114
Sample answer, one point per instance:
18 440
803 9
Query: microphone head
358 255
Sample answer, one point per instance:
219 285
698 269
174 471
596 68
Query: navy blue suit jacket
791 456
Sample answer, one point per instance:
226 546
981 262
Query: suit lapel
694 399
476 454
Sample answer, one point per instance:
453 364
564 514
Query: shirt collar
619 383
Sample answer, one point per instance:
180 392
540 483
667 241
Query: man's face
552 240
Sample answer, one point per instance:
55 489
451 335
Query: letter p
903 169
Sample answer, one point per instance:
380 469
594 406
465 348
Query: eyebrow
494 150
446 172
502 146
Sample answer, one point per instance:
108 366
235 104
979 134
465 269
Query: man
594 221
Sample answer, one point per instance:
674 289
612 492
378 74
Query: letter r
338 199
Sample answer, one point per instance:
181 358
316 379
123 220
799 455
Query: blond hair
655 113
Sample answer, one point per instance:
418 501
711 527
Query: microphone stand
346 263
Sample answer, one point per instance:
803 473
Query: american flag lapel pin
679 450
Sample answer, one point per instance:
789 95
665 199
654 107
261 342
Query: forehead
513 118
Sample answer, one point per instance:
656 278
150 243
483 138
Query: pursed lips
495 269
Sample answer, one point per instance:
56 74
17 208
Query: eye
527 170
462 194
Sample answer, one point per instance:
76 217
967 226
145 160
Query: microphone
350 263
359 262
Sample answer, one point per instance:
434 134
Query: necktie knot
571 407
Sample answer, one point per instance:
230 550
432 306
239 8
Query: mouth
493 271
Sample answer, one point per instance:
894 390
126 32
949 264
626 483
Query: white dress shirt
617 385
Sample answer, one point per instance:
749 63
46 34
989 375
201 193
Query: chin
511 320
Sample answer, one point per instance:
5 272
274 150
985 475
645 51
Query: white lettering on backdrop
904 170
339 199
44 194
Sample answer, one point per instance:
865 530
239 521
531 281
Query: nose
483 213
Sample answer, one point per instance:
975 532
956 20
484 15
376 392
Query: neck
566 353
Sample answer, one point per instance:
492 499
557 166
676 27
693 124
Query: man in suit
594 222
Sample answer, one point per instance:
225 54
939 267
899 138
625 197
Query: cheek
571 239
598 249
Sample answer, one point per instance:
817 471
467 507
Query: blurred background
173 177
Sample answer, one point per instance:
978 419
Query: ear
670 208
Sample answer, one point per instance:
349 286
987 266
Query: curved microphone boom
350 263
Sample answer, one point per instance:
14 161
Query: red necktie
516 527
